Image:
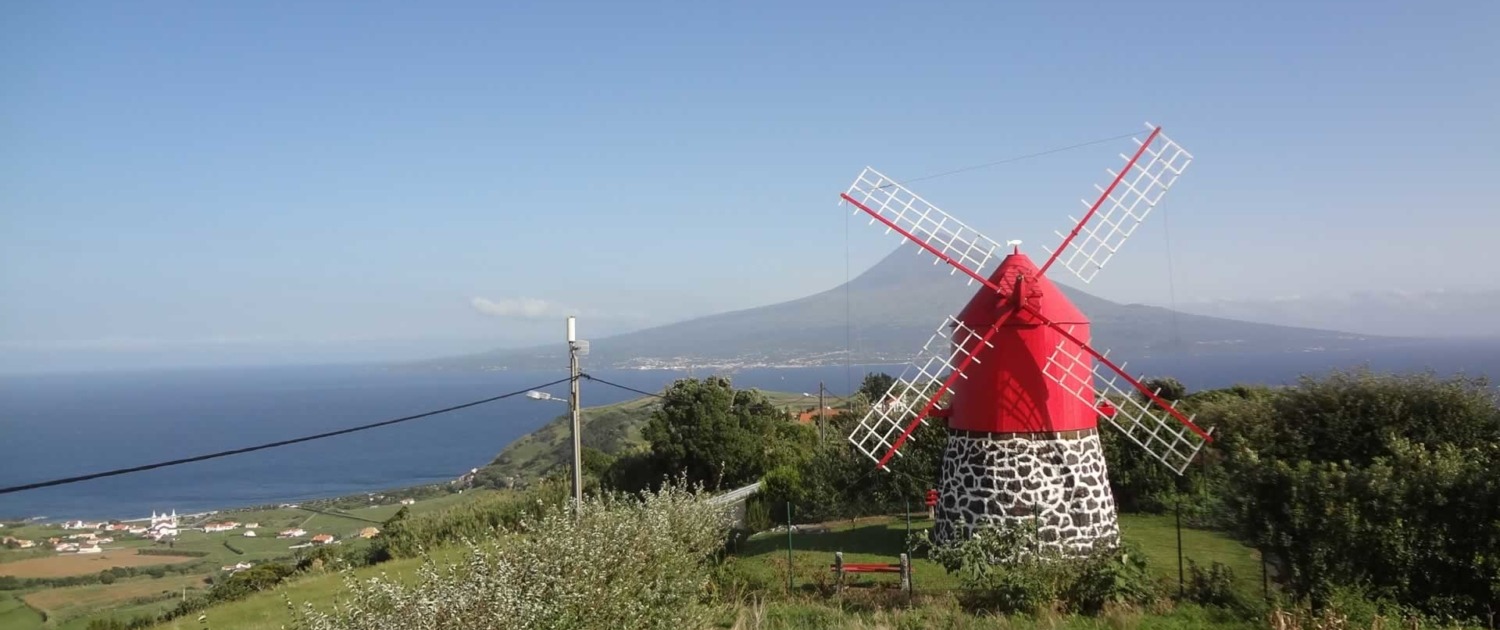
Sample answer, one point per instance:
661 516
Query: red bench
842 568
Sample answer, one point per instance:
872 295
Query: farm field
75 601
73 607
75 564
15 615
268 610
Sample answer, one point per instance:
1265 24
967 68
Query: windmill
1014 373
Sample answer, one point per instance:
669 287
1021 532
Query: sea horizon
65 424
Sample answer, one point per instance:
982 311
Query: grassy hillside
761 564
612 429
268 610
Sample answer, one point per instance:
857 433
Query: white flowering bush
624 562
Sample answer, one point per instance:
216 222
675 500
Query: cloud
519 308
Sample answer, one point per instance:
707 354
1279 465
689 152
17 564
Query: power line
624 387
1019 158
261 447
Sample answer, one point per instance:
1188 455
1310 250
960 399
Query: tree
1390 484
105 577
713 434
875 385
1166 388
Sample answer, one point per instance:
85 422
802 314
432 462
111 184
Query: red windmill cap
1038 293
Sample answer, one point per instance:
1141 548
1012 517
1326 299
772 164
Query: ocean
59 425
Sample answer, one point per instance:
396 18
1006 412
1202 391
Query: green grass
760 565
268 610
762 560
1157 537
940 612
15 615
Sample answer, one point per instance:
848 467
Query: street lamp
536 395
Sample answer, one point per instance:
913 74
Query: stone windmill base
1056 481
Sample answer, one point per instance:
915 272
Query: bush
1001 572
621 563
1213 586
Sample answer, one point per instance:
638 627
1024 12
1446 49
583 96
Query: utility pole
822 413
573 348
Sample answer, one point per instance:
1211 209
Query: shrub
1213 586
612 563
1002 572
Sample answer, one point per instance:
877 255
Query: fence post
1181 589
906 545
838 565
906 576
1265 580
789 565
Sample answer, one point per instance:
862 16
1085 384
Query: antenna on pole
575 348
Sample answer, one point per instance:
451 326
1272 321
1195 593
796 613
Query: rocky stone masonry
1056 480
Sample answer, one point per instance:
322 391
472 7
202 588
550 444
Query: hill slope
612 428
884 316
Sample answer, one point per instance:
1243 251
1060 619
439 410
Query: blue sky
207 183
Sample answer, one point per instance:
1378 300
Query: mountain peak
885 315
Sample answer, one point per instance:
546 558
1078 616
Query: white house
408 501
89 549
249 533
292 533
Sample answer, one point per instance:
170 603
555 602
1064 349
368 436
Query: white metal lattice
896 412
1163 436
965 247
1125 207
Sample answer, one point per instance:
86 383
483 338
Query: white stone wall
1059 482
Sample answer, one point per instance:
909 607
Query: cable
1171 282
261 447
1019 158
628 389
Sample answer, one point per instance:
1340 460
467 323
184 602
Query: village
75 569
284 531
164 529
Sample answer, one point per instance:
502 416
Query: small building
323 539
25 544
812 415
249 533
65 548
220 527
252 525
369 532
292 533
408 502
89 549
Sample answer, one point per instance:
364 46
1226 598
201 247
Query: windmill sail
1121 206
906 405
945 237
1154 424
